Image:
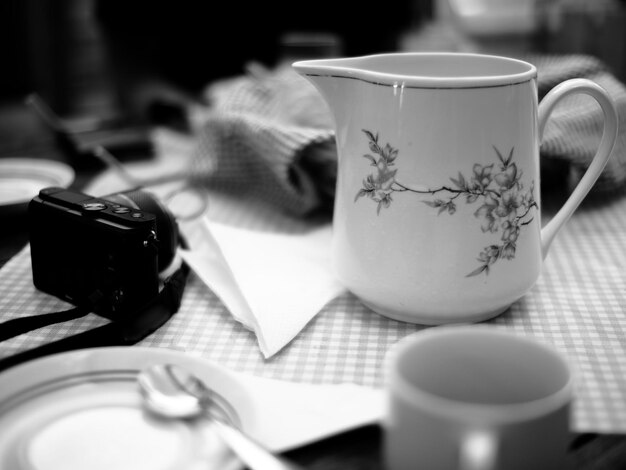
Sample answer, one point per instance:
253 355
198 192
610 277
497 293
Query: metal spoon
172 392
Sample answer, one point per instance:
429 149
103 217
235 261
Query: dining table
577 306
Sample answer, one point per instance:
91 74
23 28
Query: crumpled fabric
270 134
574 129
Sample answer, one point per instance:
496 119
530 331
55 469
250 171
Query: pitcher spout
323 74
323 67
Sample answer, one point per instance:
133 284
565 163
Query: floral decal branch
505 204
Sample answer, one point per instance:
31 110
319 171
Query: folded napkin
271 134
288 415
272 283
293 414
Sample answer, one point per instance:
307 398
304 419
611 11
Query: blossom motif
378 186
511 231
508 204
487 213
489 255
507 177
481 177
505 204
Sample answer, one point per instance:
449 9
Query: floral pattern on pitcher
505 204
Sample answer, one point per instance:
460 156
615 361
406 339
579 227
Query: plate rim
129 358
57 170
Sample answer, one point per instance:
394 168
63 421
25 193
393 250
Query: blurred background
139 61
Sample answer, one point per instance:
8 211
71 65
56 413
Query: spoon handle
250 452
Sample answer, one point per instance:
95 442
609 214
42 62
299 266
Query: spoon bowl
173 392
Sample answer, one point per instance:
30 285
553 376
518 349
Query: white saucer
22 178
83 409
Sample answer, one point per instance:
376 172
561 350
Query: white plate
22 178
83 409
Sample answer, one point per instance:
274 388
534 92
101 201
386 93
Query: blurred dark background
81 54
137 59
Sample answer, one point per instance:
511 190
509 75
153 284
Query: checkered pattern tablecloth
578 306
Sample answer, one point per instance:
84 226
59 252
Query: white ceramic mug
472 397
437 210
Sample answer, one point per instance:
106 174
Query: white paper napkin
295 414
272 283
290 415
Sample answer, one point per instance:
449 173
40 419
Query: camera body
93 252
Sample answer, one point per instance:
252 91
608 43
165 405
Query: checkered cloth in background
270 133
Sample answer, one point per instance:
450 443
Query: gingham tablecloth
578 306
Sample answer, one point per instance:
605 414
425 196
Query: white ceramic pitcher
437 213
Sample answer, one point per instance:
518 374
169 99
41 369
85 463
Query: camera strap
124 332
18 326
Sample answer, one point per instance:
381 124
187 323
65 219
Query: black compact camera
101 253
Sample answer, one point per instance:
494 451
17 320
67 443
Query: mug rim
361 68
464 410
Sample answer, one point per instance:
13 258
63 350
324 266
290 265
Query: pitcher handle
609 137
